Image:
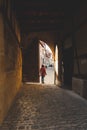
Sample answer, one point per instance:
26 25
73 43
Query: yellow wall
10 68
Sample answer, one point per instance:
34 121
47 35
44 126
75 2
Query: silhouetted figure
42 73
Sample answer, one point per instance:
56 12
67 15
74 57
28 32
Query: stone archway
30 52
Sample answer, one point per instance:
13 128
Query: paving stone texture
46 107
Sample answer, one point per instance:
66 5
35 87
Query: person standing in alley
42 73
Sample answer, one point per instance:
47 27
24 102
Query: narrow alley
46 107
49 78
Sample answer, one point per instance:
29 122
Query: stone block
79 86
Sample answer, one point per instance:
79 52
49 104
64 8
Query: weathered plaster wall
10 67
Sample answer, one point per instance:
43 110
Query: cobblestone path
46 107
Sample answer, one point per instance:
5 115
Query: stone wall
79 86
10 67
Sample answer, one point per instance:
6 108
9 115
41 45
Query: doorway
46 58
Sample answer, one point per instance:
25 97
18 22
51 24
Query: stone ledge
79 86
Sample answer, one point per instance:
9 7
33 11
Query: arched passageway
21 25
34 56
